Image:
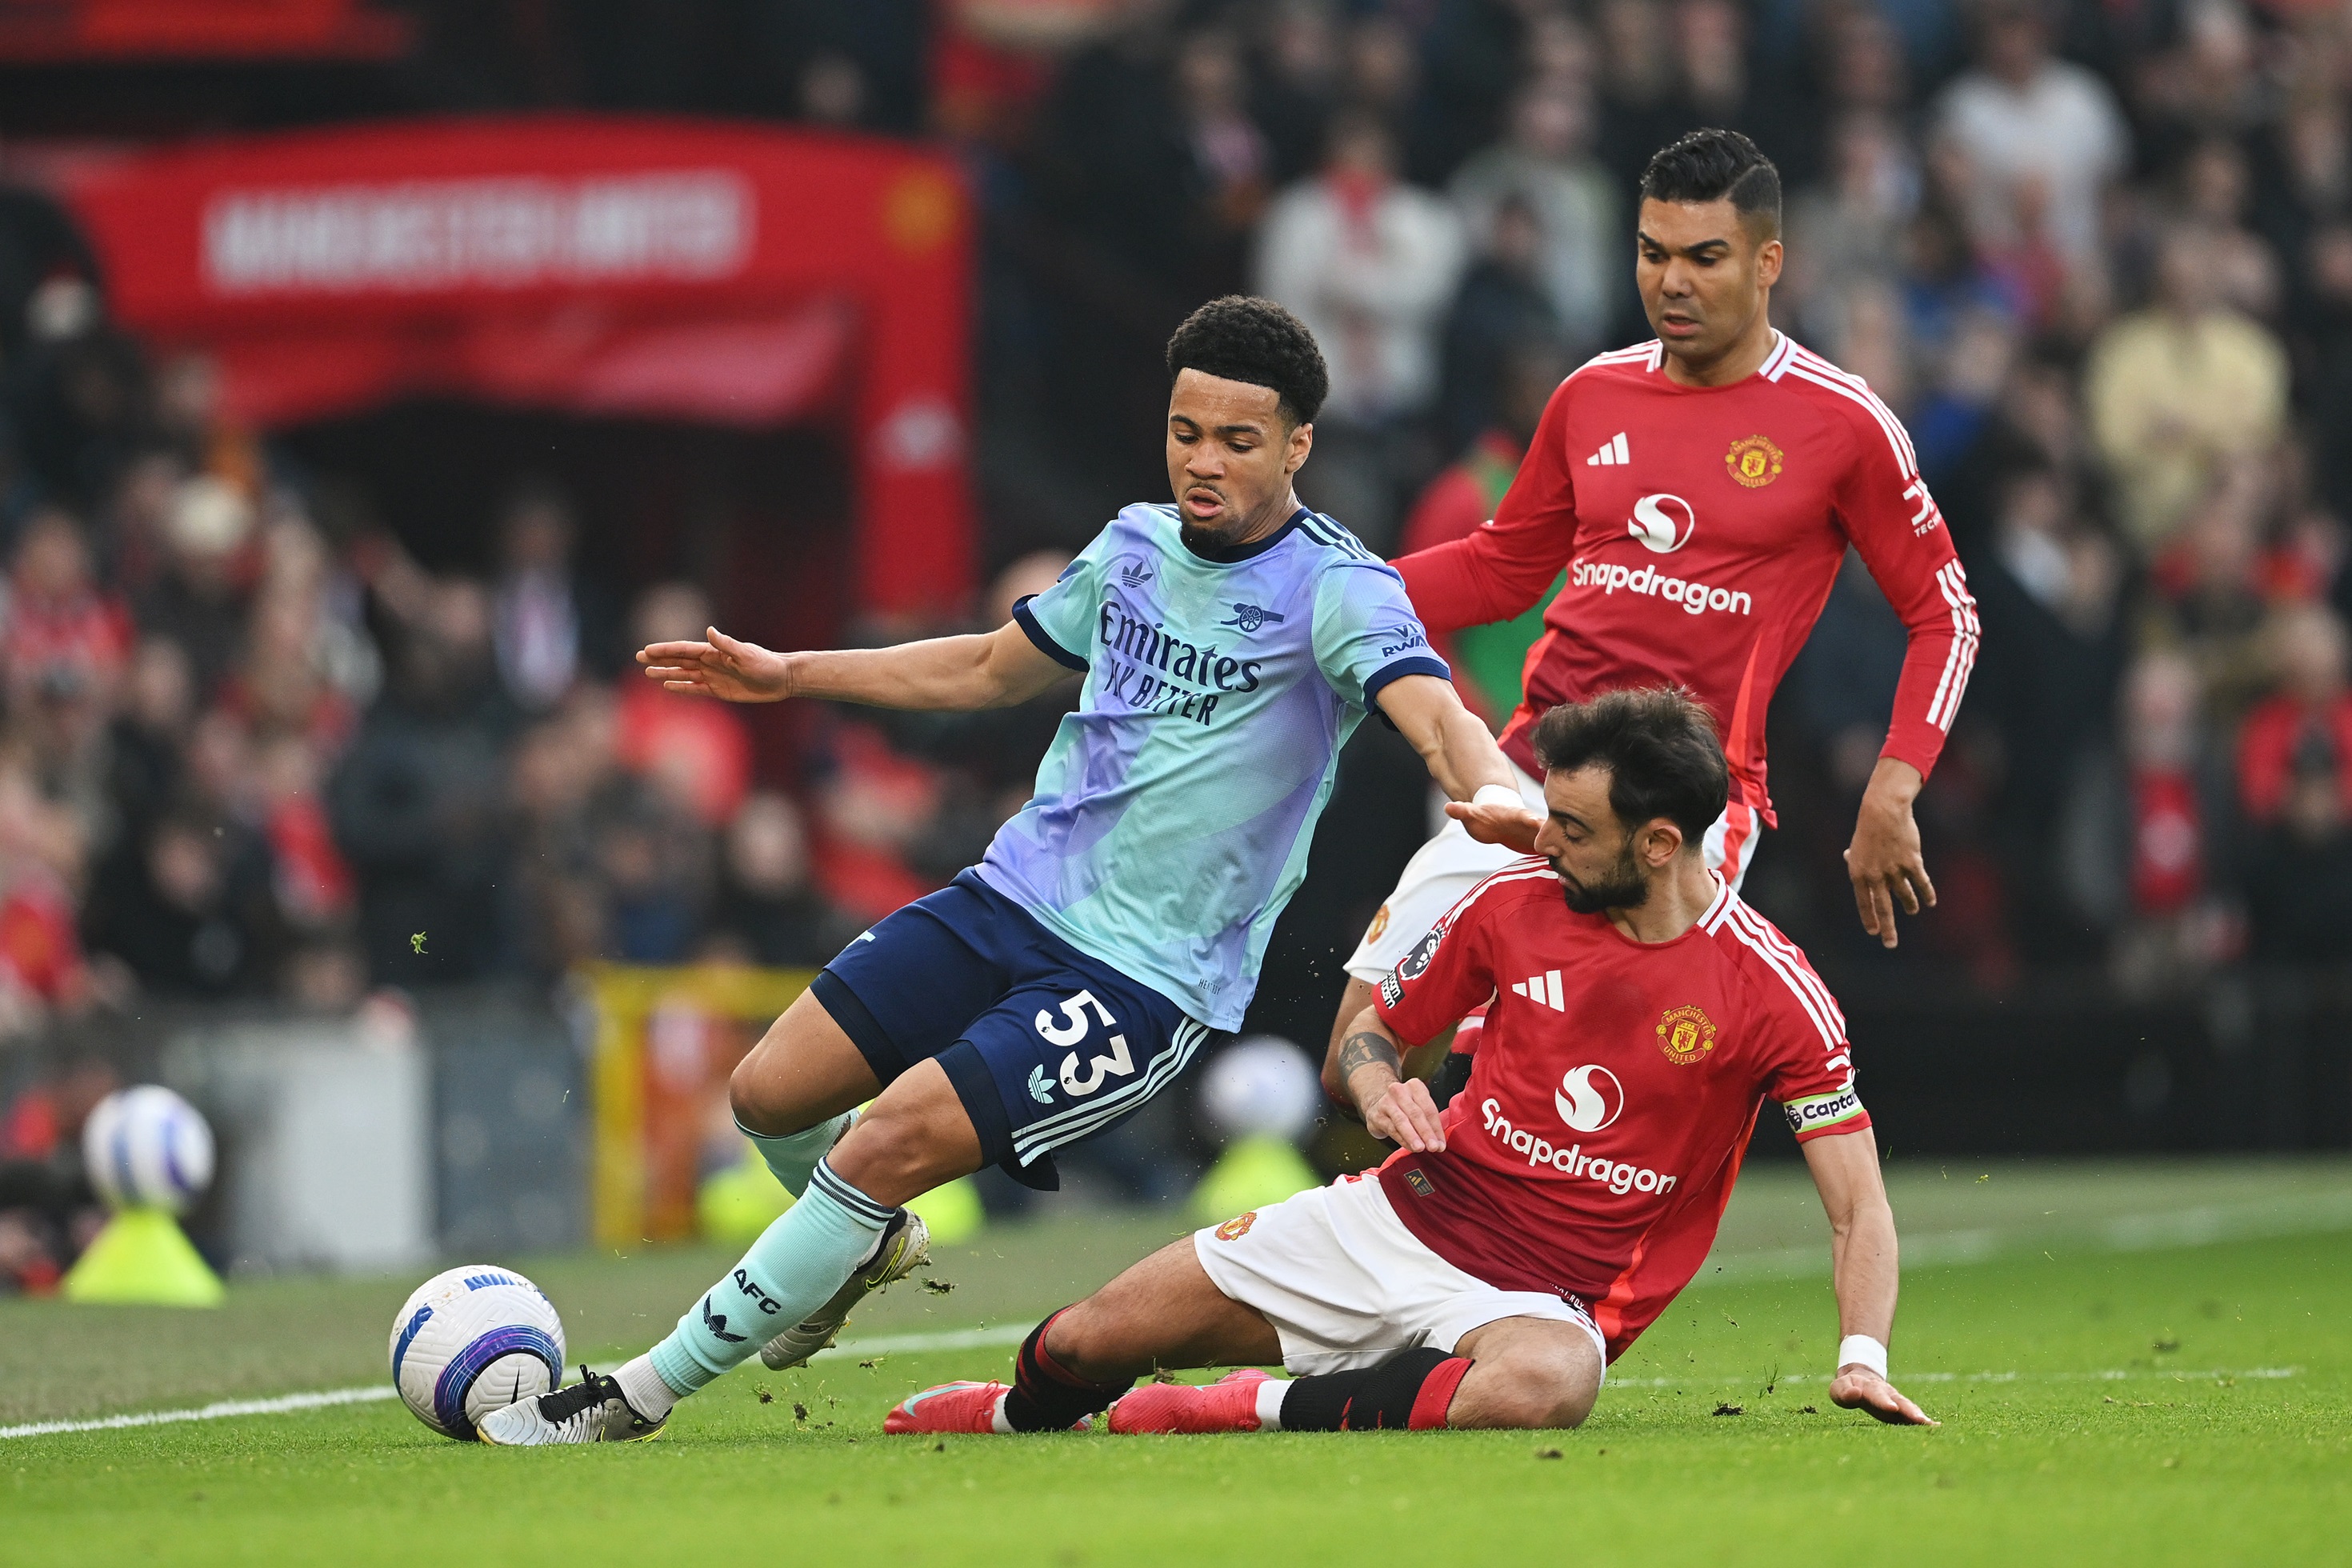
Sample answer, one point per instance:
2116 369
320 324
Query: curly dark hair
1244 337
1660 747
1710 165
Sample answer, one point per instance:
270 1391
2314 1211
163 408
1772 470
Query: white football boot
591 1411
906 1246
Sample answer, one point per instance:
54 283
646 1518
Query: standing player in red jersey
1700 491
1524 1236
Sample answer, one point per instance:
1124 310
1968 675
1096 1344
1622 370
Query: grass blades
2105 1396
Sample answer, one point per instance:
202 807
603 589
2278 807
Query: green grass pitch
2133 1364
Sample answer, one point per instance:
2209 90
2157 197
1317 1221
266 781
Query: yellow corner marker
1254 1173
953 1211
143 1259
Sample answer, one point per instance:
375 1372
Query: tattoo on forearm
1358 1049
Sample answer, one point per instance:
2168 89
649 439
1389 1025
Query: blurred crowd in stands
2098 256
2096 253
253 748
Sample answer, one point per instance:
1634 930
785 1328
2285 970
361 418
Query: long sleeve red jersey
1701 529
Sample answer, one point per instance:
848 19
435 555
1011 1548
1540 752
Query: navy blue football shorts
1044 1044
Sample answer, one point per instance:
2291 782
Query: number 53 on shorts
1080 1016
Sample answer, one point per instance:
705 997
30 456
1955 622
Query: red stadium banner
606 265
40 32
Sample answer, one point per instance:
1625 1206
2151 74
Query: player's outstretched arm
994 670
1464 760
1367 1068
1862 1260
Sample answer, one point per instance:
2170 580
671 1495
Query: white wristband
1497 794
1861 1350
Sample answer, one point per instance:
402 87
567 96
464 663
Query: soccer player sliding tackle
1229 645
1699 492
1521 1239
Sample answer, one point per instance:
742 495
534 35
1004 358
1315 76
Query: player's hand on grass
1406 1115
1859 1388
1512 826
1884 862
722 667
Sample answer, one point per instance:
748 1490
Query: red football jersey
1702 530
1613 1092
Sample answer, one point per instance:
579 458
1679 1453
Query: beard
1624 888
1231 527
1220 535
1199 538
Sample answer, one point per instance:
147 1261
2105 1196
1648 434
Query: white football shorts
1444 869
1345 1285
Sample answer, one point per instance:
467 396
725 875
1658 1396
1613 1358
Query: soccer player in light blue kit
1230 644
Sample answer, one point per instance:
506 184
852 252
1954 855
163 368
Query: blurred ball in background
1262 1085
147 1148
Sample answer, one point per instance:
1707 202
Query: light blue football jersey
1174 811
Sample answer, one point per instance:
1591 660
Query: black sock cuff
1048 1397
1361 1401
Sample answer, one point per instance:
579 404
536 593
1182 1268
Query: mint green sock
792 1270
795 1154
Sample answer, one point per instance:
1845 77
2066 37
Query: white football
147 1148
472 1341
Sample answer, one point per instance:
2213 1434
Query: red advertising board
604 264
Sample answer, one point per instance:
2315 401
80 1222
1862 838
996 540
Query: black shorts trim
967 1069
968 1074
1397 669
856 1020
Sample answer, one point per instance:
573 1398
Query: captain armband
1819 1112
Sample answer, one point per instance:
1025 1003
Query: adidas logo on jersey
1543 988
1612 452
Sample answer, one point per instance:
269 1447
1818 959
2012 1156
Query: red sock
1437 1396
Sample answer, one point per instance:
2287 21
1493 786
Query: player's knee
1570 1403
1539 1406
1530 1392
751 1096
1082 1341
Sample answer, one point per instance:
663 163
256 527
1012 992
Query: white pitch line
2127 1233
968 1339
222 1410
2198 1227
2109 1375
934 1340
219 1410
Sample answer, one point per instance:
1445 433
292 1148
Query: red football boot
953 1407
950 1407
1228 1404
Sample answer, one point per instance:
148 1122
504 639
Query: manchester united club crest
1754 461
1237 1227
1685 1035
1380 924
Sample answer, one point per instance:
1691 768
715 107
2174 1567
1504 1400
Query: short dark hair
1244 337
1713 165
1660 747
